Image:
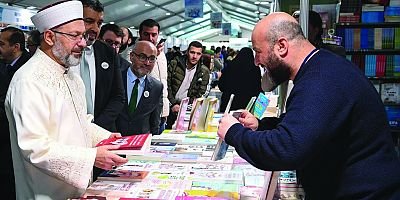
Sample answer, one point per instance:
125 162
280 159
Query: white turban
58 14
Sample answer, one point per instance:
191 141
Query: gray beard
65 58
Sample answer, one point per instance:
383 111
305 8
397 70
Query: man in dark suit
144 93
13 55
100 71
112 35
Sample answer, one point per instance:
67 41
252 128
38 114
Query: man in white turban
52 137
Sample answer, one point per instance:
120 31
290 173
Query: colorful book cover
260 105
132 142
216 185
165 184
212 193
180 120
123 175
212 106
195 113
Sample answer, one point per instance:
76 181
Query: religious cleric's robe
52 137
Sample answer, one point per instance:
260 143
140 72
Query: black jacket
109 94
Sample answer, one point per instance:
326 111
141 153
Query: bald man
141 113
335 131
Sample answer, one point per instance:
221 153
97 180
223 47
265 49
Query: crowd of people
81 81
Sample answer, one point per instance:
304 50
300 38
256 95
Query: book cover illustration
211 167
180 120
260 105
211 193
174 166
228 176
123 175
166 184
216 185
195 113
110 189
168 175
172 138
150 193
212 107
139 165
222 146
132 142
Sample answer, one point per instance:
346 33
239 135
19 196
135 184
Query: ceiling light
256 11
167 13
146 4
263 14
111 22
264 2
31 7
182 20
132 27
257 2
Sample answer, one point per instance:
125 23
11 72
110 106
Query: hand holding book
248 120
106 159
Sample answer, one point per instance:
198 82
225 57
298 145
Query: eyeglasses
73 37
113 43
143 58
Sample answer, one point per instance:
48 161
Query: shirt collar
88 50
15 60
132 77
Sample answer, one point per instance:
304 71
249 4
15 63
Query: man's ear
281 46
49 37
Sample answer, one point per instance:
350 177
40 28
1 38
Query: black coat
242 78
109 94
7 171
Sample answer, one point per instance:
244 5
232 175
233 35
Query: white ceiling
241 13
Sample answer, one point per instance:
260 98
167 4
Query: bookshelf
374 47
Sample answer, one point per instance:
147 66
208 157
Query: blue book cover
261 105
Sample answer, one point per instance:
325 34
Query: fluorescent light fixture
256 11
146 4
264 2
182 20
167 13
263 14
257 2
31 7
132 27
111 22
180 32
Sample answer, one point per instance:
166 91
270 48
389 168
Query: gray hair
289 29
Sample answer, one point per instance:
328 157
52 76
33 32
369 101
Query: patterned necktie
134 95
85 74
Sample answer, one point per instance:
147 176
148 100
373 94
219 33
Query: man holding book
52 137
335 132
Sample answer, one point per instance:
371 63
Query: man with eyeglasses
149 30
112 35
141 113
52 137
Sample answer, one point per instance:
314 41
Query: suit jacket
5 149
109 96
146 117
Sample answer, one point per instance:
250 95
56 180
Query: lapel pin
146 94
105 65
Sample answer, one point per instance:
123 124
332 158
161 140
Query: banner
216 19
194 8
226 28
